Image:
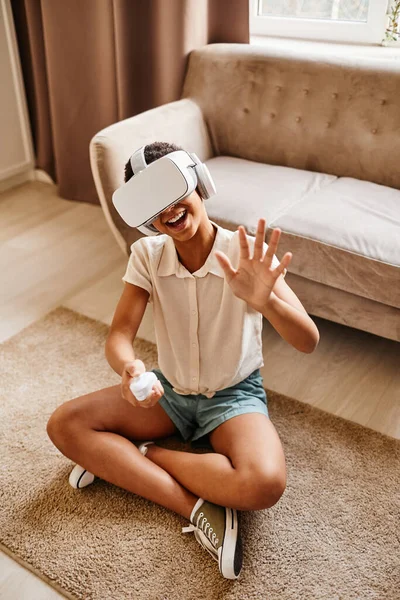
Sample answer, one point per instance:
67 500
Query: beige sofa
311 145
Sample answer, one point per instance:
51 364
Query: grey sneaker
217 529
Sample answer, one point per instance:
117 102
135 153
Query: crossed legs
246 471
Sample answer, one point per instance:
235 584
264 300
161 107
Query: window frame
371 32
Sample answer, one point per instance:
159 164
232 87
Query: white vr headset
159 185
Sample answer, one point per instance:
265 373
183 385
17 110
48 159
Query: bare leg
92 431
247 472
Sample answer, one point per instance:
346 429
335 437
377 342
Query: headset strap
138 161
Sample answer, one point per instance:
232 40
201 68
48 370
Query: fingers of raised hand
282 265
272 247
225 264
244 243
259 241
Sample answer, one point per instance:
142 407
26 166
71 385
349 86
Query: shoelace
204 526
203 541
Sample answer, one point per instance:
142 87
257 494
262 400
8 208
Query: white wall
16 155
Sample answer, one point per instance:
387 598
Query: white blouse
207 338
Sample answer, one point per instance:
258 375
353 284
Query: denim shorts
196 415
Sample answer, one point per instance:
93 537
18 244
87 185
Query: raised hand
254 279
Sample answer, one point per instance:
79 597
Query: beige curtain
87 64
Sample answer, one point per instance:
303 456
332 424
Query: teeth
178 216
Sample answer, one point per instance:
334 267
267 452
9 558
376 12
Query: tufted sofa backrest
330 114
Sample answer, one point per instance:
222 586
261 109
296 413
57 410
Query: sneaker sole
230 558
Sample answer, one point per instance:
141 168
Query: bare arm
126 321
262 287
289 318
118 349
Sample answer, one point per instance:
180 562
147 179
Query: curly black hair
152 152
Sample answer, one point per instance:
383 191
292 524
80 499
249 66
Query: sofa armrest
179 122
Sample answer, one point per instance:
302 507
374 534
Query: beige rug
334 535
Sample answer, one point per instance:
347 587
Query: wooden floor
59 253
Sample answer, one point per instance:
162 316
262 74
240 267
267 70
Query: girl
208 322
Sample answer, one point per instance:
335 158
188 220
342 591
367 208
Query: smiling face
182 221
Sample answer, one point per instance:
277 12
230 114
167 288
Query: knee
264 486
62 424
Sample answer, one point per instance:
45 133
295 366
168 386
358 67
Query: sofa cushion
351 229
248 190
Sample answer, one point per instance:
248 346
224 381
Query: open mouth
178 221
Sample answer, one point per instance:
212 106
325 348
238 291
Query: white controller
141 385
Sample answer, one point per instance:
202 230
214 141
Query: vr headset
159 185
